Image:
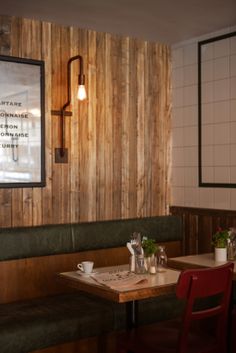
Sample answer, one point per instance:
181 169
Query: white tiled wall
184 181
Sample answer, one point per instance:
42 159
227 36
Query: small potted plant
150 248
220 242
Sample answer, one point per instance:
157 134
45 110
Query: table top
136 287
197 261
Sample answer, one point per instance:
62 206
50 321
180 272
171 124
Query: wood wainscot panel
36 277
199 224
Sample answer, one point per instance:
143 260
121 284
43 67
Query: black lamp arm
63 109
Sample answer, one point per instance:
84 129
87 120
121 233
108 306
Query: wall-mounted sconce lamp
61 153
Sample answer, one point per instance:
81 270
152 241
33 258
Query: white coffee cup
86 266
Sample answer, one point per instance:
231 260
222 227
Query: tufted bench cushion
25 242
33 324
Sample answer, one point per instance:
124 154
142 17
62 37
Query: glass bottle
161 259
152 269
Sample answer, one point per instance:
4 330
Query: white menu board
21 122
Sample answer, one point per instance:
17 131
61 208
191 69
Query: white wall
184 178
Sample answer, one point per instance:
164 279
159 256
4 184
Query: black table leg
132 314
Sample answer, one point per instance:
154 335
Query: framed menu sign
22 141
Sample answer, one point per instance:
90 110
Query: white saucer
81 273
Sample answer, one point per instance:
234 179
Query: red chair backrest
203 283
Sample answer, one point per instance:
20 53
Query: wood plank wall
118 139
199 225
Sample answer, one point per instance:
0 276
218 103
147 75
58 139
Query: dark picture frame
210 170
22 122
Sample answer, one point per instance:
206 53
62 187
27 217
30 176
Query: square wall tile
207 113
191 156
207 135
233 132
233 110
233 87
191 196
178 157
233 175
221 198
207 92
190 115
233 155
177 77
208 174
208 52
190 54
190 75
177 117
233 45
177 196
207 73
178 97
206 198
222 48
191 176
222 174
190 136
221 155
177 57
221 68
233 65
221 134
208 156
177 137
233 199
177 176
221 90
222 112
190 95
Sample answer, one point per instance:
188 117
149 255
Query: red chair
202 329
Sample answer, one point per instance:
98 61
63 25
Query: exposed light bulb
81 93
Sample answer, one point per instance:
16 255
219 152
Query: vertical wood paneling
47 204
116 88
147 131
91 133
118 139
108 142
83 136
56 99
65 167
156 131
132 130
124 94
140 129
100 126
75 126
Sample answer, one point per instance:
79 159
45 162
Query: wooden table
196 261
155 285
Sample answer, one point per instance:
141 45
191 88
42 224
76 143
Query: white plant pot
220 254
